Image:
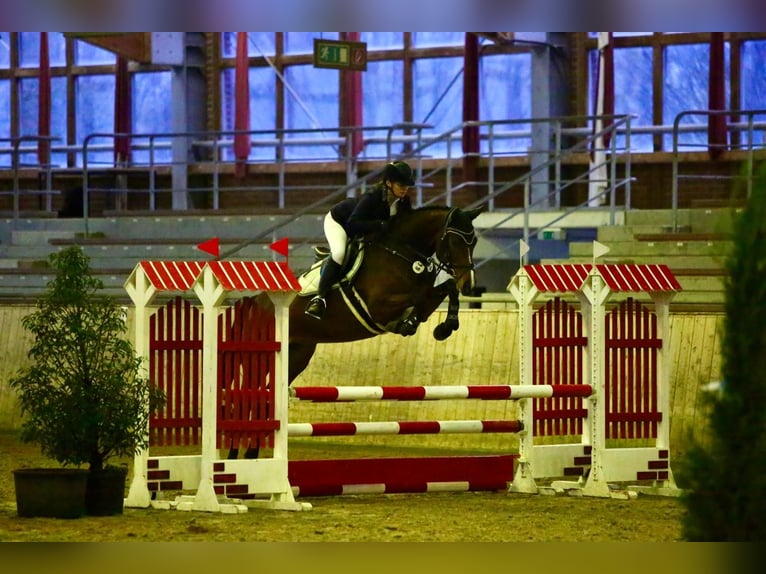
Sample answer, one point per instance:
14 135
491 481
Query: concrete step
202 228
717 220
702 283
6 263
36 281
36 237
52 224
698 220
645 249
29 252
674 262
609 233
657 218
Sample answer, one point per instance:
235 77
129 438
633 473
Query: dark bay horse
396 281
404 275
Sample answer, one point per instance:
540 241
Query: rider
354 217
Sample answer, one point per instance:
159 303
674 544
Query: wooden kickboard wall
483 351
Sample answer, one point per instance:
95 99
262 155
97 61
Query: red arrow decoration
281 246
211 246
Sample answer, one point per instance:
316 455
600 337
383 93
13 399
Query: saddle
405 325
309 280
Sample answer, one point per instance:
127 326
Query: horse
392 282
396 280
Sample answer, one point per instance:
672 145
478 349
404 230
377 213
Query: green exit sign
340 55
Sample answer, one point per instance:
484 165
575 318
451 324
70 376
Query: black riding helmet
399 172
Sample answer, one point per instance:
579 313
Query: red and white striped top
172 275
635 278
233 275
639 278
255 275
559 278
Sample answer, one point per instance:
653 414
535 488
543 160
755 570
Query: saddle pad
309 280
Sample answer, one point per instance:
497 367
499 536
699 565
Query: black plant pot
105 492
50 492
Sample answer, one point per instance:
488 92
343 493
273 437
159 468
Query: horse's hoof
442 331
408 327
251 453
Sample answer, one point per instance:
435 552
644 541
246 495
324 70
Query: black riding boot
330 274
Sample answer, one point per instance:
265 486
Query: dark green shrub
84 397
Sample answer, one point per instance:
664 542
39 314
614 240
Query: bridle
467 237
435 263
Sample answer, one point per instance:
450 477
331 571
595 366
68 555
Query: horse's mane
416 214
431 208
411 223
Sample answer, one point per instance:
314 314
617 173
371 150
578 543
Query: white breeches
336 238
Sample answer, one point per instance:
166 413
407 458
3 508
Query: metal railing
45 170
413 141
750 146
415 144
617 124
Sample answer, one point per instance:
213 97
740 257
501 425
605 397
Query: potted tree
84 397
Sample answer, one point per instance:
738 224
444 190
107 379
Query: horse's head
455 247
447 233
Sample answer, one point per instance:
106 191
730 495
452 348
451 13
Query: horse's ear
473 213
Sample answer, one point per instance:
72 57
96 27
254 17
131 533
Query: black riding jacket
366 213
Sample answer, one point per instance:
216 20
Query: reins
432 263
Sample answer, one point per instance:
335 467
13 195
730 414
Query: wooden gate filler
620 354
226 386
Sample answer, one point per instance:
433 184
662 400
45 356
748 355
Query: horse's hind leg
300 356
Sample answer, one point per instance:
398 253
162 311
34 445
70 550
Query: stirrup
316 307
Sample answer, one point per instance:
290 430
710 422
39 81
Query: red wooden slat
247 354
632 345
558 344
174 351
652 385
642 351
634 318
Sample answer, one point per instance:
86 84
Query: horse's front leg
451 323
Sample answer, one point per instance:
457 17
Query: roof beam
135 46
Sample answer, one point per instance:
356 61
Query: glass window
686 80
311 103
438 100
383 40
57 48
425 39
505 94
5 50
382 104
754 84
258 44
633 91
29 96
263 113
152 114
87 54
303 42
29 49
5 121
94 111
754 75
